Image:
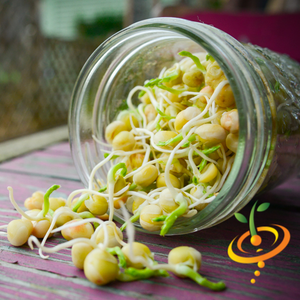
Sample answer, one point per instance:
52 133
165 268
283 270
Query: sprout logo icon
256 240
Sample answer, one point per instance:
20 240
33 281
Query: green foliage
263 207
277 87
195 59
209 57
241 218
112 158
103 189
202 164
141 94
195 180
102 26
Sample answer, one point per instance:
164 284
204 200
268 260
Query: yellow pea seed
230 121
150 112
85 231
79 253
146 176
111 230
219 165
172 111
139 250
211 134
125 117
160 182
147 214
214 155
193 78
195 192
145 99
225 98
97 205
137 160
18 231
137 202
214 74
124 141
177 164
81 208
100 267
208 91
232 141
150 125
166 201
175 81
38 194
186 115
40 228
56 203
173 97
209 172
117 202
163 136
185 255
113 129
119 184
36 201
63 219
185 64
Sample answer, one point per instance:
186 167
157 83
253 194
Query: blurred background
44 44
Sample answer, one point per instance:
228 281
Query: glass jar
265 86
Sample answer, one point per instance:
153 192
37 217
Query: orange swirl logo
256 240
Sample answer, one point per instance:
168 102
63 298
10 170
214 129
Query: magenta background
279 33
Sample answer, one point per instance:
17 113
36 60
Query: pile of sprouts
169 157
177 146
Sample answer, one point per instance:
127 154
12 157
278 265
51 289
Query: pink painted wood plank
43 163
60 280
61 147
53 286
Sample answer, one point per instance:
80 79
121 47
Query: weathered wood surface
24 275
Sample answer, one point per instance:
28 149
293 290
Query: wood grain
24 275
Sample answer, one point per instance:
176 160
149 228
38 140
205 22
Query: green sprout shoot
118 252
277 87
46 205
170 220
209 57
188 272
112 158
79 202
195 180
163 115
141 94
195 59
132 274
133 219
202 164
160 218
103 189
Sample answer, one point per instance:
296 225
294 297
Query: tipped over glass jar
266 91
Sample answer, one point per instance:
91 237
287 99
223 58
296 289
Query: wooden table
24 275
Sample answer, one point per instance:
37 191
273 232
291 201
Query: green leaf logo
263 207
241 218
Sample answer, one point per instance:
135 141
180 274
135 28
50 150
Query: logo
256 255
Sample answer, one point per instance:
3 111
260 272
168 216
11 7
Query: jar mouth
233 60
